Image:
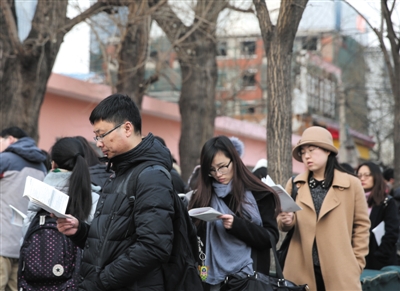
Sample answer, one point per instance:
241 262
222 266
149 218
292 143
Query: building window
248 48
249 78
309 43
222 48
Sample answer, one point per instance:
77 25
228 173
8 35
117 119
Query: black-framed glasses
101 136
223 170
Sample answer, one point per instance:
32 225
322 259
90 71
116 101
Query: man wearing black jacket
131 234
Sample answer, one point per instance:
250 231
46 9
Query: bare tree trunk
278 42
133 51
197 104
195 47
26 67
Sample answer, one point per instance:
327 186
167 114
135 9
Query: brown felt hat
317 136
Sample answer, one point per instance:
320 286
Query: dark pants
318 278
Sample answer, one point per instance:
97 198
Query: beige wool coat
341 233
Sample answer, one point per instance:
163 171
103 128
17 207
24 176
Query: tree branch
379 34
11 27
248 10
92 10
389 25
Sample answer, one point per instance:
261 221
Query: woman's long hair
242 179
332 164
378 191
68 154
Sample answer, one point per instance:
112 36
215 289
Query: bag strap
294 188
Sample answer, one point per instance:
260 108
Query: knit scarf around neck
226 254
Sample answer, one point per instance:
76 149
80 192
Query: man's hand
227 220
68 226
286 218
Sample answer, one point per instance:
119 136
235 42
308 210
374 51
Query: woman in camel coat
331 235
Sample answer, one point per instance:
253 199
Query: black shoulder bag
283 250
262 282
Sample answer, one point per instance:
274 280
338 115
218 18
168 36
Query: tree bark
278 42
26 67
195 47
133 51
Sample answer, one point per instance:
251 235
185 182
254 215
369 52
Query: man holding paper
19 158
131 234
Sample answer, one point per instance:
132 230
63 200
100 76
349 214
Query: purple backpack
49 261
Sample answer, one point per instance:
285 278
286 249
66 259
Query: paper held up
46 197
204 213
17 217
379 232
287 203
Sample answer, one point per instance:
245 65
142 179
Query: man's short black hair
117 108
13 131
388 174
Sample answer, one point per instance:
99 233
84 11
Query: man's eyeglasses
365 175
223 170
101 136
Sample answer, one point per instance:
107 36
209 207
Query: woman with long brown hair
382 208
249 210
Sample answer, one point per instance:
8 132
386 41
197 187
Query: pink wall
68 103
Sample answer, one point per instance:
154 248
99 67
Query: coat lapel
331 201
304 196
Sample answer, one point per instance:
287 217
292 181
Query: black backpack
49 261
181 271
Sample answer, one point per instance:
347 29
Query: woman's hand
67 226
227 220
286 218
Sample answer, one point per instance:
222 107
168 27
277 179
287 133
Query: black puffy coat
129 239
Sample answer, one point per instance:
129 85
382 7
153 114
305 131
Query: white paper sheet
287 203
46 197
379 232
17 217
205 213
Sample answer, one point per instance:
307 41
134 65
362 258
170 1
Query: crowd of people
120 226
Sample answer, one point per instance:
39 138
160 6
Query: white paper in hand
379 232
287 203
46 197
205 213
17 217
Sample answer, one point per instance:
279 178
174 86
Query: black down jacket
129 239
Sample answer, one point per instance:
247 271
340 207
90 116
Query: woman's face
365 176
315 158
221 168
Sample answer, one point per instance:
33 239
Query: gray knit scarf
226 254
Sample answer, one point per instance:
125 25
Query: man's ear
129 128
12 139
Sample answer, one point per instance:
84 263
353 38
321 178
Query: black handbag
262 282
283 250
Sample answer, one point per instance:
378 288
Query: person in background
330 239
238 144
261 169
97 169
249 210
179 185
382 208
19 158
